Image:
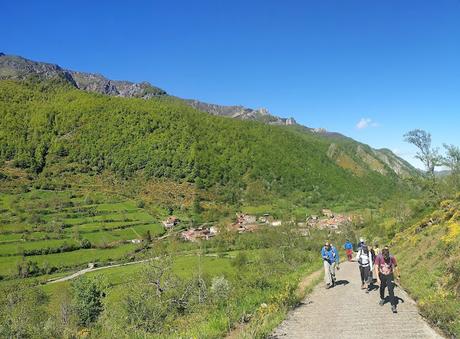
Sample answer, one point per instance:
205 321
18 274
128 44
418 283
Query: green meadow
63 230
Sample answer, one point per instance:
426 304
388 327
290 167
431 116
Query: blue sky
392 65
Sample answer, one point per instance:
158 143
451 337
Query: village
244 223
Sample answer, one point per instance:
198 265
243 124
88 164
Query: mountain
241 112
382 161
442 173
169 137
18 68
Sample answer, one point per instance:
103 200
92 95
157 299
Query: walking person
371 275
385 267
365 262
376 249
361 243
348 246
331 262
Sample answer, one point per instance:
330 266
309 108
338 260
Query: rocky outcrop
14 67
18 68
361 157
241 112
401 167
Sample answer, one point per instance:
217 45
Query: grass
428 257
212 322
69 259
42 219
19 248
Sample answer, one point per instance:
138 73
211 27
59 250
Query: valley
129 212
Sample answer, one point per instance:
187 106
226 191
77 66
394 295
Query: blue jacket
348 246
331 255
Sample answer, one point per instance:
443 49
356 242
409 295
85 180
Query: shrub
240 260
85 243
220 289
27 268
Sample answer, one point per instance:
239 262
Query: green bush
87 301
85 243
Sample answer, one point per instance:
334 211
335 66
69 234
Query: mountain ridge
355 157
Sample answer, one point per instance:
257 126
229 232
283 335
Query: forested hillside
49 126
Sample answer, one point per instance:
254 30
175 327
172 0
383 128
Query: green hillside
49 128
429 256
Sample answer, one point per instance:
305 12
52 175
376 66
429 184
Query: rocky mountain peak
18 68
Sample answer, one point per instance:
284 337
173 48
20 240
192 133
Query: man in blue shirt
331 261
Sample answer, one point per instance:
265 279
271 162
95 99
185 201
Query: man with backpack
348 247
331 262
365 262
386 267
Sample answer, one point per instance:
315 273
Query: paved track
346 311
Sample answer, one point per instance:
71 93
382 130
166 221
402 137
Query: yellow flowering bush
453 232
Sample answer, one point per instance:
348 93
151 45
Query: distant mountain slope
18 68
50 128
345 152
241 112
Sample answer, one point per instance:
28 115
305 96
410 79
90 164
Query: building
171 221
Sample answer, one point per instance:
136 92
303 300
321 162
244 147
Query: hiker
376 249
385 267
348 249
365 262
371 274
361 243
331 262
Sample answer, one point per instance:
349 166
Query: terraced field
42 232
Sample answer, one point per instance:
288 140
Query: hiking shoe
393 309
381 302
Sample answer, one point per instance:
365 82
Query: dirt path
346 311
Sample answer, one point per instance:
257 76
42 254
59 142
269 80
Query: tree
157 297
196 206
148 237
88 294
452 161
427 155
452 158
22 311
85 243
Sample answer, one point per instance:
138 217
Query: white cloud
365 123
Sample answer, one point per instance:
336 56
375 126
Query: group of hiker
375 265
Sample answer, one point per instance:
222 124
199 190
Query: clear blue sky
393 65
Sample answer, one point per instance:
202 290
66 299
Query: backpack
363 258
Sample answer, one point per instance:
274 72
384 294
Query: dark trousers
365 274
387 281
